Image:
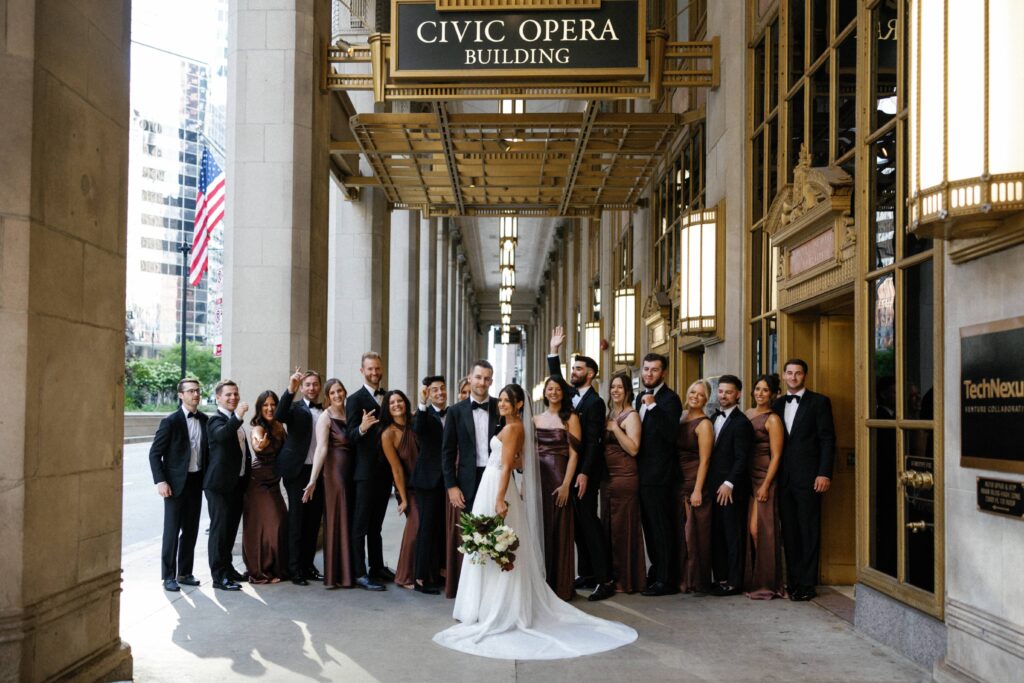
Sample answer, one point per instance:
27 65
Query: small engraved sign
1001 497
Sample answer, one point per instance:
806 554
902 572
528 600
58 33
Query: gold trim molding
511 5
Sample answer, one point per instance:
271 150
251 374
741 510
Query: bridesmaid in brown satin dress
452 558
763 575
337 460
620 499
558 437
264 531
693 529
399 444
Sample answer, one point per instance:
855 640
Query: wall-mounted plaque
1001 497
571 44
992 395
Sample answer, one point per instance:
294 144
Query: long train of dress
514 614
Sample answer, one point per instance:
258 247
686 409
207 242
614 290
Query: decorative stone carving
811 224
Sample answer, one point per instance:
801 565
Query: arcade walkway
288 633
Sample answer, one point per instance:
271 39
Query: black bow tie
318 406
574 393
717 414
442 412
380 391
193 416
792 397
479 406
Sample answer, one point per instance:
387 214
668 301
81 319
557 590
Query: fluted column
443 276
426 298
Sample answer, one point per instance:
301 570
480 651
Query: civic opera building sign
606 40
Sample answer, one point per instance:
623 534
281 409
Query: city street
285 632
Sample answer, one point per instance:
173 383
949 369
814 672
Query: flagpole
184 248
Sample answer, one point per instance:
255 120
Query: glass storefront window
885 503
918 326
919 508
882 355
883 200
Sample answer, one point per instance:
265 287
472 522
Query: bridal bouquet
486 536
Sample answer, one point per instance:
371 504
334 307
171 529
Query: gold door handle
917 480
918 527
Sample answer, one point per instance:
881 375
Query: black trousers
659 532
728 538
303 521
430 536
591 544
372 498
181 528
225 510
800 513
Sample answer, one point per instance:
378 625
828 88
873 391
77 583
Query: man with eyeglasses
177 457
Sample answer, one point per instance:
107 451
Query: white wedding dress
514 614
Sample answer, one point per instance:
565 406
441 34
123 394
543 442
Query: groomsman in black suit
224 482
427 479
372 475
805 474
591 545
176 458
294 465
465 446
657 465
729 477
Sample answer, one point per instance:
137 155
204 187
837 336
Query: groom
468 429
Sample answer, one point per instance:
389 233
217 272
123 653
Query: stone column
441 307
427 299
276 224
403 311
64 70
607 275
359 283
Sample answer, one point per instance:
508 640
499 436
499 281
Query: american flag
209 214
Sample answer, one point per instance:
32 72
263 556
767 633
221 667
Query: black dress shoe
171 585
656 588
803 595
313 574
238 578
384 575
188 580
299 581
584 582
426 589
226 584
603 592
366 583
718 590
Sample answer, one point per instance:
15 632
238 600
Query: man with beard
591 546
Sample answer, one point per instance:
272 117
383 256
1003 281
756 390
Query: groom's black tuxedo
458 446
373 484
808 453
227 474
591 546
730 461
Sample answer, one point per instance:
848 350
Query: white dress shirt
195 440
719 423
580 392
644 407
315 412
241 436
376 397
789 414
481 424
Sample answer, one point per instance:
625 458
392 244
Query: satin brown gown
559 529
264 527
405 571
693 525
763 572
339 508
620 513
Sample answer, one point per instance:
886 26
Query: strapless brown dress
405 570
693 525
264 527
559 529
763 571
620 513
339 507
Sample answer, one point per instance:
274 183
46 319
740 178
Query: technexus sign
600 42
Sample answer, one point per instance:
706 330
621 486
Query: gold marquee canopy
445 163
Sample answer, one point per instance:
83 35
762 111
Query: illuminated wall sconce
592 341
505 337
966 138
508 277
506 309
507 254
506 320
700 242
625 326
505 295
508 229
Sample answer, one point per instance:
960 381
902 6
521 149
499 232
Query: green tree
199 363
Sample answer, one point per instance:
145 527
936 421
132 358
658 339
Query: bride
514 614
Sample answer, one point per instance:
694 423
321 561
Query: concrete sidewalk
287 633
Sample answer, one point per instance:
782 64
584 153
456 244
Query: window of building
679 190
